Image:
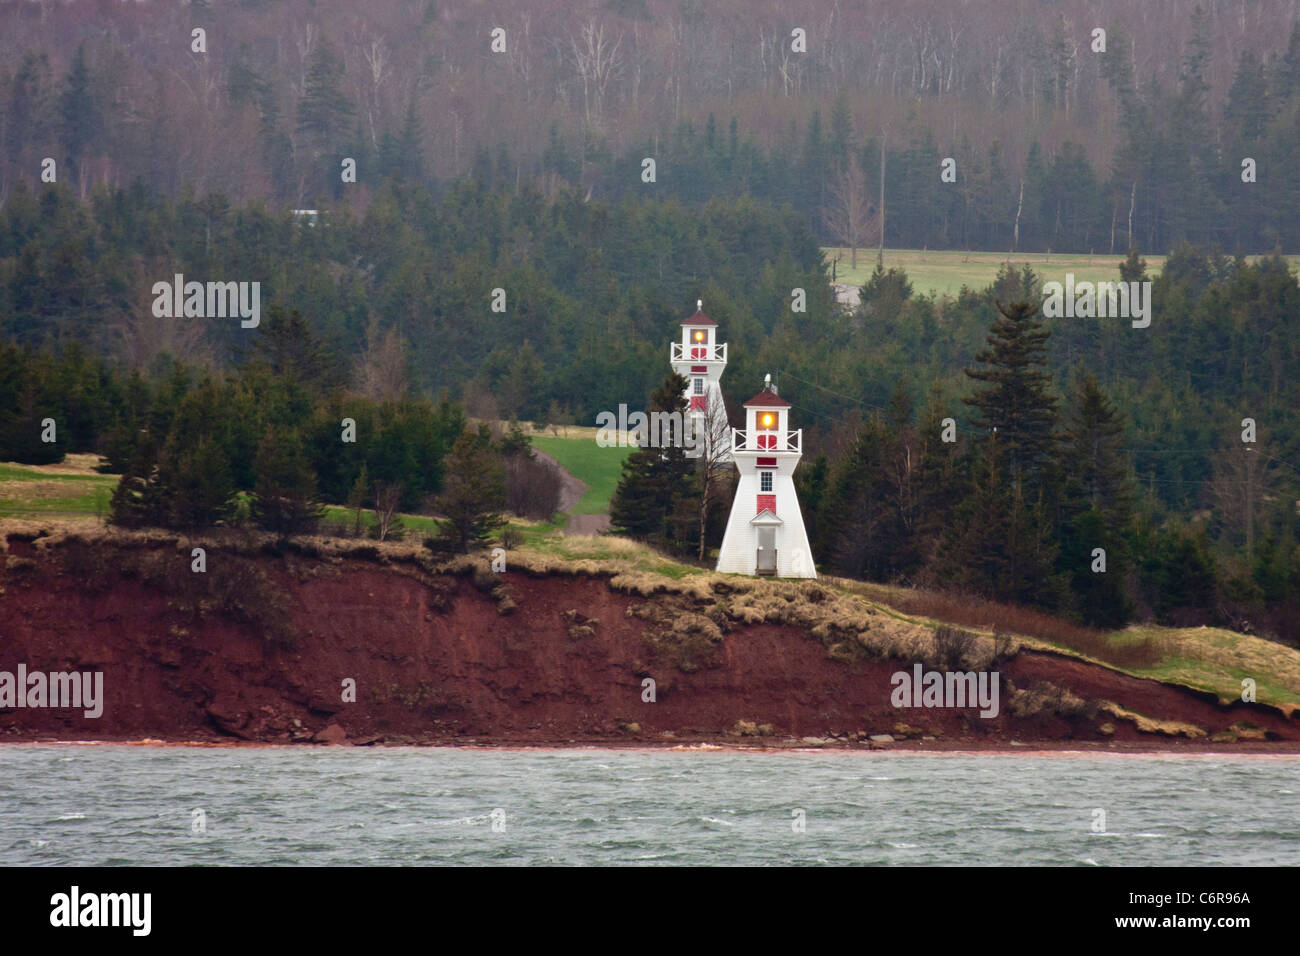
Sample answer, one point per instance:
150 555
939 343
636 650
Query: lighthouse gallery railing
763 440
699 353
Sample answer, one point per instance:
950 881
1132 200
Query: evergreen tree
284 496
861 539
139 500
1014 399
973 555
79 110
1134 267
196 483
655 480
29 95
474 490
292 350
1093 454
324 112
1097 509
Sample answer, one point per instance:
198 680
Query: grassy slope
598 468
1209 659
67 487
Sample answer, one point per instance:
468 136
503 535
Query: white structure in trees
700 359
765 533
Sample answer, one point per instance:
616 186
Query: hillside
552 651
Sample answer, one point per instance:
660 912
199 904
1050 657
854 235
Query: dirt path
586 524
571 491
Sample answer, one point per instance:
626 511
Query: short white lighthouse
765 533
701 359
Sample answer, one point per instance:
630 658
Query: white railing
766 440
699 353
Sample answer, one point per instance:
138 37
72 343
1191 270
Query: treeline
1057 145
267 444
402 297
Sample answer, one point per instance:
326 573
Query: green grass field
599 468
34 490
944 272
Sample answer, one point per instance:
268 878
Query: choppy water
89 805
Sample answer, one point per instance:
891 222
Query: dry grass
1045 696
1138 651
1148 725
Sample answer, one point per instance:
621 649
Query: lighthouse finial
699 305
767 380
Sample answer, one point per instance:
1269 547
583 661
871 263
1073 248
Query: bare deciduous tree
848 215
596 59
144 336
388 497
381 369
715 461
1240 482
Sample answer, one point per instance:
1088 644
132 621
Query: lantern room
699 339
767 421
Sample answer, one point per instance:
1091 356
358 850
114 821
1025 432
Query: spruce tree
1014 397
1097 510
646 503
1134 267
284 495
79 110
139 500
195 476
474 490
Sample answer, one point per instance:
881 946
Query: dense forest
1058 144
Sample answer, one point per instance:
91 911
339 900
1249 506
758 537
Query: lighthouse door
766 551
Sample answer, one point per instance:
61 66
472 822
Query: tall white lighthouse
765 533
701 359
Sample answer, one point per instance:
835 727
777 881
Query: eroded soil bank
265 647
